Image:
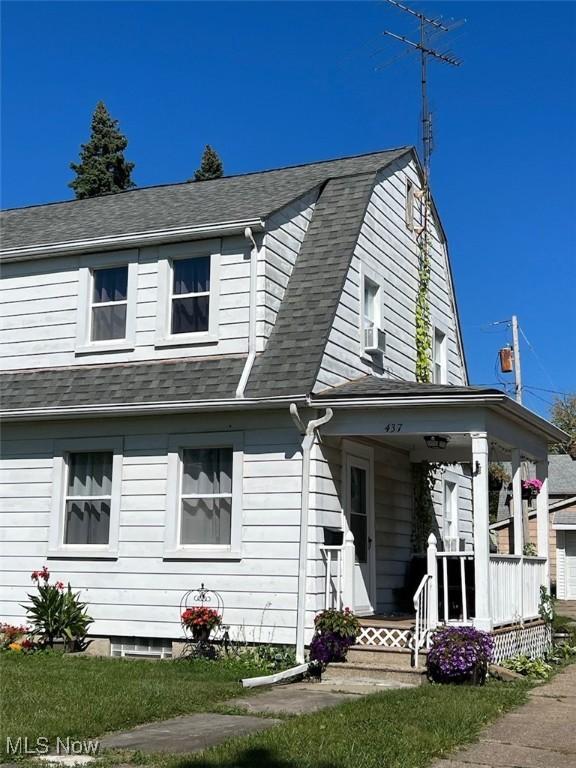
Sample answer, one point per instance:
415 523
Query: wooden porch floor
391 622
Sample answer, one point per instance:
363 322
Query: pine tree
210 166
102 167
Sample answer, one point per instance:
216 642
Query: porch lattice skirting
531 640
385 637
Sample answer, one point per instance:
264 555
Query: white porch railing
423 605
333 575
454 584
515 583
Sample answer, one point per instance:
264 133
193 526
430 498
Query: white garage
565 525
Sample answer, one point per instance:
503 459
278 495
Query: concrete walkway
540 734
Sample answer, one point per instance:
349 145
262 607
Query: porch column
517 505
482 617
543 518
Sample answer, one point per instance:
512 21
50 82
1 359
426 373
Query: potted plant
531 489
459 655
201 621
335 632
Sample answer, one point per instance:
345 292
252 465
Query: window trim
62 449
173 550
410 203
88 265
167 256
369 274
437 325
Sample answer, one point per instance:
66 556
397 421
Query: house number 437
393 428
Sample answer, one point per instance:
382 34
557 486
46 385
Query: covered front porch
459 431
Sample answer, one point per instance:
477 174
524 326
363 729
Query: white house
214 382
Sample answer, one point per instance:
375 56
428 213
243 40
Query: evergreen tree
210 166
102 167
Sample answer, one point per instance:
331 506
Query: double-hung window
439 357
373 339
204 504
86 488
109 303
88 498
451 541
188 293
190 304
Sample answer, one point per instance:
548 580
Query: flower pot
528 494
495 483
201 634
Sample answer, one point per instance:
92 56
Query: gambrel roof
289 365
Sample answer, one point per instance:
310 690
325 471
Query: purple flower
457 652
330 646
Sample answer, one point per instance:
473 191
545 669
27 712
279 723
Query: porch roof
372 385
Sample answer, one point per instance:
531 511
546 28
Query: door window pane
359 513
88 498
206 507
190 315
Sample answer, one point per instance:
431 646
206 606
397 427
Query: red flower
59 585
27 644
201 617
44 574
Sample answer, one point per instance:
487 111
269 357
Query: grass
50 695
393 729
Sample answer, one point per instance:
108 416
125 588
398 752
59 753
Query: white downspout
252 314
308 431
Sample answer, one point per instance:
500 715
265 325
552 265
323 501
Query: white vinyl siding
386 247
138 594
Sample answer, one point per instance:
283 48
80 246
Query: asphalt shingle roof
562 475
372 385
233 198
565 517
155 382
292 357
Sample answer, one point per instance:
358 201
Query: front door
359 514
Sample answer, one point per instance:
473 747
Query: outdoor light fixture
435 441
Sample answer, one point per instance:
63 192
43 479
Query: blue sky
271 84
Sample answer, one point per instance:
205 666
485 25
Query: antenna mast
426 25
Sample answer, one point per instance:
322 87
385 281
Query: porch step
373 654
358 672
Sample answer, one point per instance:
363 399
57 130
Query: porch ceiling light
435 441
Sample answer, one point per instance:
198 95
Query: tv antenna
428 28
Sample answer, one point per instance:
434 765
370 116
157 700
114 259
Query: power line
531 348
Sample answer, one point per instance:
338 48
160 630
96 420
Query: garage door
570 565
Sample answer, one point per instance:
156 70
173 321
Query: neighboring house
213 383
562 526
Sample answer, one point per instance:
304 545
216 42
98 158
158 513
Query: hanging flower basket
531 489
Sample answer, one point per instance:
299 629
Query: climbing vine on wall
423 473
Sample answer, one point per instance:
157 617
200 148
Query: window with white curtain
204 494
88 498
206 497
439 359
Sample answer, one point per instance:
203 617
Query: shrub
11 635
459 654
57 613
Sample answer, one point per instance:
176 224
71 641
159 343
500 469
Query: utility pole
516 359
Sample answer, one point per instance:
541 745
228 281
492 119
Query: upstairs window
190 310
206 499
109 303
88 498
372 336
409 212
371 298
439 359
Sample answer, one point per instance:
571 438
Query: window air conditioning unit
374 340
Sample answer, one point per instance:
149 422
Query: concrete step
373 654
358 671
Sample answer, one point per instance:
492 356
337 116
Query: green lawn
394 729
51 695
83 697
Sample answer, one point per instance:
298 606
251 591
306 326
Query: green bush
535 668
